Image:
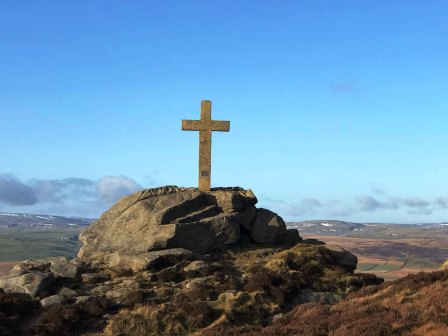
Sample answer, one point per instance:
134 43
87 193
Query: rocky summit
178 221
177 261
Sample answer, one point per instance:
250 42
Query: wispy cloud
57 191
441 202
15 192
362 204
369 203
307 206
344 87
69 196
111 188
417 203
377 190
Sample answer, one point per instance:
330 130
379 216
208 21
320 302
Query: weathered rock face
343 257
169 218
267 227
34 283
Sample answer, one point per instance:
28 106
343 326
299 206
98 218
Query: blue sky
338 109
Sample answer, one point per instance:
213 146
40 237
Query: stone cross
205 126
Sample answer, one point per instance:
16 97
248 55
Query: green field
422 263
33 243
363 267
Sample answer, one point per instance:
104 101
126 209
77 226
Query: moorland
390 251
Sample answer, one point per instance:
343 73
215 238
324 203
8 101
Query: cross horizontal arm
191 125
206 125
220 125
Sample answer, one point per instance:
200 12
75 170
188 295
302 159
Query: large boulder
267 227
63 268
343 257
53 300
34 283
167 218
129 235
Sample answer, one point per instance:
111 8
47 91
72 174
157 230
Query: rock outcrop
179 294
128 235
176 261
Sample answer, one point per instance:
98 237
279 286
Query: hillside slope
390 251
415 305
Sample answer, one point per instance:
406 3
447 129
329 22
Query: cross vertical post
205 148
205 126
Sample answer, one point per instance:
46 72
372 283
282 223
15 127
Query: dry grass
278 286
165 319
416 305
70 320
393 258
445 265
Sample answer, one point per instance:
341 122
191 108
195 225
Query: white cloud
70 196
111 188
361 204
16 193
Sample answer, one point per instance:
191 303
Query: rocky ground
176 261
179 294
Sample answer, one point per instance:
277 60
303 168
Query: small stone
52 301
125 296
310 295
130 283
101 290
42 265
82 299
93 278
195 266
61 267
67 292
274 318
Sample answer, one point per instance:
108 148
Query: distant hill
342 228
30 236
390 251
9 220
330 227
